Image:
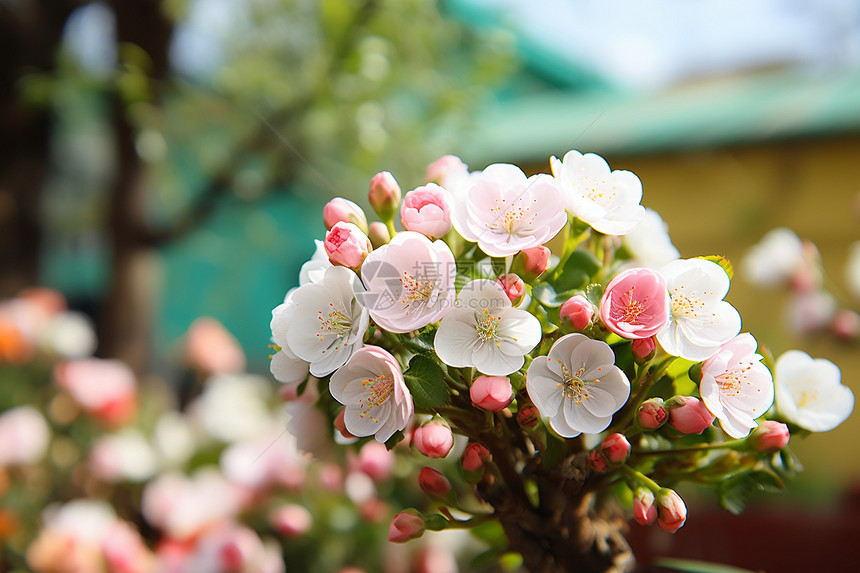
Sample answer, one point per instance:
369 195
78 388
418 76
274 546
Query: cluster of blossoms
783 260
549 321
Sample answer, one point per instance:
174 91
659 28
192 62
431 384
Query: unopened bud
378 234
434 440
769 437
846 324
491 392
615 448
596 461
343 210
644 510
643 349
433 482
652 414
671 510
404 526
474 457
346 245
689 415
531 263
384 195
514 287
292 520
528 416
576 312
340 425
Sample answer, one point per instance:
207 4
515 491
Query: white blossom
809 392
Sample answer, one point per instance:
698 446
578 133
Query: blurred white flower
68 335
774 259
173 439
24 436
809 311
809 392
233 407
649 242
126 455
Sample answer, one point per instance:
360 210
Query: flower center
336 321
487 326
685 306
629 309
573 387
416 289
509 217
378 390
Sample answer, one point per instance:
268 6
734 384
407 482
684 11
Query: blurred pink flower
292 520
105 389
24 436
211 349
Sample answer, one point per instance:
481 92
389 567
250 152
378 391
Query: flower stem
735 445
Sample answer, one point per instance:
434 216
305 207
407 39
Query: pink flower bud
474 457
434 440
576 312
652 414
596 461
375 460
491 392
514 287
378 234
644 349
384 195
644 510
769 437
531 263
528 416
689 415
405 526
346 245
433 482
340 425
292 520
671 511
427 210
439 169
846 324
615 448
343 210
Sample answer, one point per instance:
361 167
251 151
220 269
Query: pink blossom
769 437
433 482
576 311
615 447
443 168
372 388
427 210
384 195
343 210
671 511
688 415
211 349
652 414
513 286
644 510
474 457
532 263
736 387
105 389
292 520
505 212
635 303
491 392
405 526
346 245
434 440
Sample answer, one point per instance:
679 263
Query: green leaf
426 382
735 490
546 295
723 262
395 439
578 270
692 566
426 339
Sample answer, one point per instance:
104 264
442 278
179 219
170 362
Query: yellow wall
722 201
